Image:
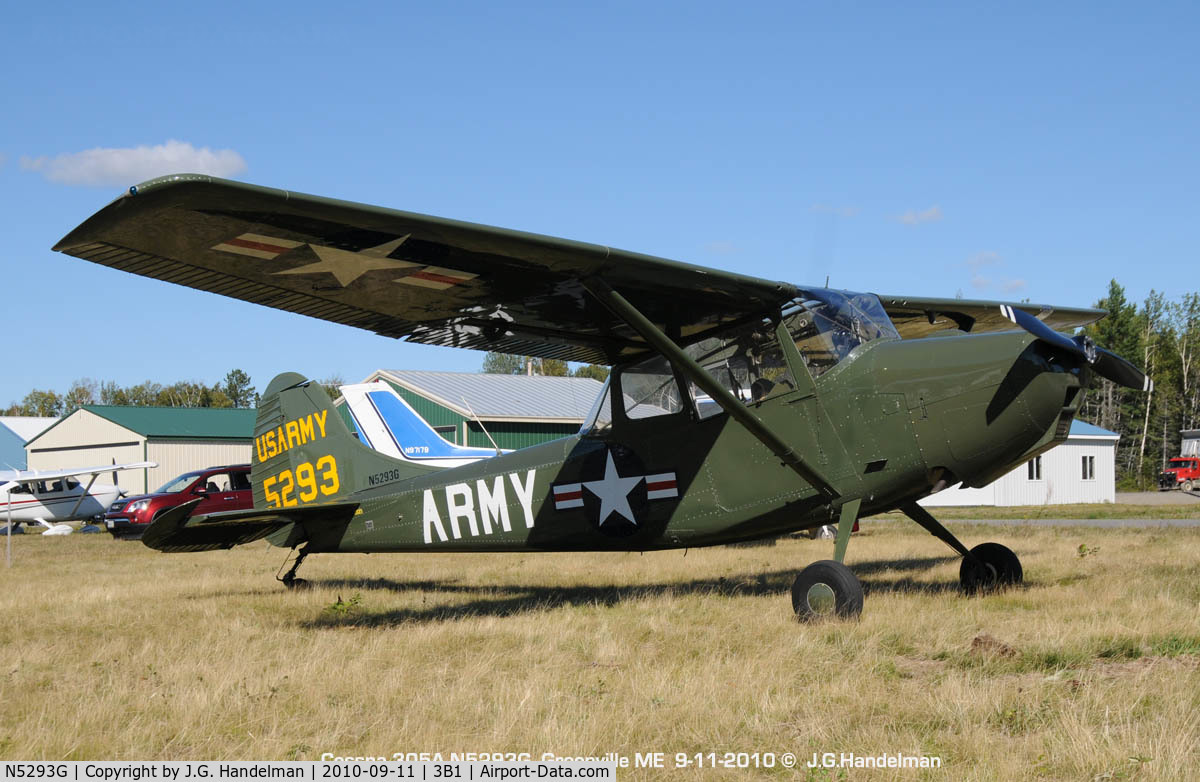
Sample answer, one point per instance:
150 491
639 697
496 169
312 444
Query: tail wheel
826 589
990 566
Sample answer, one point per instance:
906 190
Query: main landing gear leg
828 588
987 566
289 578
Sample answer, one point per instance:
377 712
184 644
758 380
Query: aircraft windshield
176 485
828 325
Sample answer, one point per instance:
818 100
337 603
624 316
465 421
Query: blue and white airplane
50 497
387 423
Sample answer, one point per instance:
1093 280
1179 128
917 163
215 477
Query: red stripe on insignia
563 496
433 277
262 246
660 485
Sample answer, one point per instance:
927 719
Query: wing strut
621 307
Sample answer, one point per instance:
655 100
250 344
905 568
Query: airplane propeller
1103 362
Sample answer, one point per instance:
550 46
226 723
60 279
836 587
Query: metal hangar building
180 439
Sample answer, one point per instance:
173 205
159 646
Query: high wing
29 476
915 318
423 279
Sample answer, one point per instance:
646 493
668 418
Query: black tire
825 589
1187 486
991 566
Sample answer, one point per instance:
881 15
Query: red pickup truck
1183 472
219 488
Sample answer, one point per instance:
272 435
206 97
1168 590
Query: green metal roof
208 423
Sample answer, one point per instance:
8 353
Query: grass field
1089 672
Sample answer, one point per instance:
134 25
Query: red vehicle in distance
1182 472
219 488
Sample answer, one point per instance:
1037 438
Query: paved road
1159 498
1142 523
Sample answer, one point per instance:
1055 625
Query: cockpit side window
748 362
599 418
827 326
649 389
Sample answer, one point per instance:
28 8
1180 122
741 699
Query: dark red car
218 488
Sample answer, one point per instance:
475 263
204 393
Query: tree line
234 391
508 364
1160 336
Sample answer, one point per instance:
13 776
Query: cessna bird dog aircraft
47 496
738 408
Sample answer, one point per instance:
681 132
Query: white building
1081 470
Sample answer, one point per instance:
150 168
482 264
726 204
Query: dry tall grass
112 651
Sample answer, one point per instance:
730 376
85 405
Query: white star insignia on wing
348 266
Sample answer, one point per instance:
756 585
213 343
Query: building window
1089 468
1034 468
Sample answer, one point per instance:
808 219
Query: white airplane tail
386 422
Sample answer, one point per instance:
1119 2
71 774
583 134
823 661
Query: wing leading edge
921 317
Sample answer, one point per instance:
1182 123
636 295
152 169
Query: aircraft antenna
481 426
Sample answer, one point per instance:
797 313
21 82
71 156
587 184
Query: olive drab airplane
738 408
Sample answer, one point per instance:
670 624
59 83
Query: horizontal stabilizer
174 531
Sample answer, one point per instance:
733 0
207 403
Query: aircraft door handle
229 497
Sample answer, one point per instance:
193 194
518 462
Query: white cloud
721 247
838 211
977 262
120 167
913 217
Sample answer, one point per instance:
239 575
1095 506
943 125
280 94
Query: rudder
304 454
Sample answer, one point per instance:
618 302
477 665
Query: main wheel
990 566
1188 486
825 589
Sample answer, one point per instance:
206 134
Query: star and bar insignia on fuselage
613 491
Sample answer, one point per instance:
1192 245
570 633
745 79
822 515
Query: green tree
82 392
44 403
333 386
503 364
508 364
239 390
594 371
113 394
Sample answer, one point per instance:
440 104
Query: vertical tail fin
304 454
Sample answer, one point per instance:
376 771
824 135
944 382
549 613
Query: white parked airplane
49 497
387 423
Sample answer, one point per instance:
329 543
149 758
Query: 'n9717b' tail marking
492 503
293 433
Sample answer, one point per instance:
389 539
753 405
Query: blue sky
1020 152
